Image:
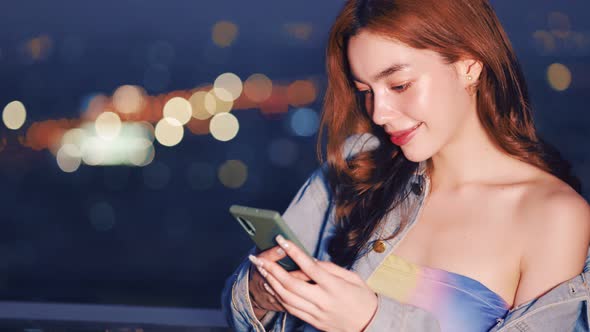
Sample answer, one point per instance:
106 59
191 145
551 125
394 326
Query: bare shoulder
555 236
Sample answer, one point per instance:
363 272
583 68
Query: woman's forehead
370 54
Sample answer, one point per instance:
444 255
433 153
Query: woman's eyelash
397 88
403 87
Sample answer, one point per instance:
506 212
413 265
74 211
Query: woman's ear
469 68
469 71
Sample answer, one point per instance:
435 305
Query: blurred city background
129 127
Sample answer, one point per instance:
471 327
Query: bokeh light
94 151
214 105
169 131
132 146
142 153
74 136
140 129
233 173
258 87
14 115
304 122
39 48
559 76
178 108
544 40
301 93
200 110
108 125
224 126
128 99
224 33
69 158
227 87
301 31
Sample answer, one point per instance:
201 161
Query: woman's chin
415 155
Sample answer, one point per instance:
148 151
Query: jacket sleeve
563 308
305 215
235 300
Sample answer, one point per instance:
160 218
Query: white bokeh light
178 108
228 87
108 125
224 126
14 115
169 132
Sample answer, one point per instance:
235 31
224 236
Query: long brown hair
368 185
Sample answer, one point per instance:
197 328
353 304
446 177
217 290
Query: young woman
439 206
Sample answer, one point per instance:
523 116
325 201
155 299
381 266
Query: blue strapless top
459 303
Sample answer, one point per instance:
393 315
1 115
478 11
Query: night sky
161 234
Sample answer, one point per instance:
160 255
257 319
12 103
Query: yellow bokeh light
228 87
233 173
258 87
74 136
108 125
301 93
14 115
224 33
224 126
128 99
214 105
169 131
69 158
559 76
178 108
197 101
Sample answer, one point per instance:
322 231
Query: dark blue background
175 246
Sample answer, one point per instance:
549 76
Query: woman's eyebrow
386 72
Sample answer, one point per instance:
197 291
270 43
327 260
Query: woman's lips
405 137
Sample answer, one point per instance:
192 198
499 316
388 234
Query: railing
27 316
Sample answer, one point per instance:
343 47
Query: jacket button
379 246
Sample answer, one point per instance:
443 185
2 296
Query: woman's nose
383 110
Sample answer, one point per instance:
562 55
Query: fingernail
315 259
255 260
268 289
281 240
262 271
280 251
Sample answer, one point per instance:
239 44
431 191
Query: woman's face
405 87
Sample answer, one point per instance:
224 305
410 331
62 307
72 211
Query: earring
469 77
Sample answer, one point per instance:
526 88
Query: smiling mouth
401 133
405 136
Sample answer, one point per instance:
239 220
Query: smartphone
262 226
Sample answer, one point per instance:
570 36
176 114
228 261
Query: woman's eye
402 88
365 92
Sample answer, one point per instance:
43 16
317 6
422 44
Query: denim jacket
310 216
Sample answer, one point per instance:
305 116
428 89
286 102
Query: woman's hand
263 300
338 301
